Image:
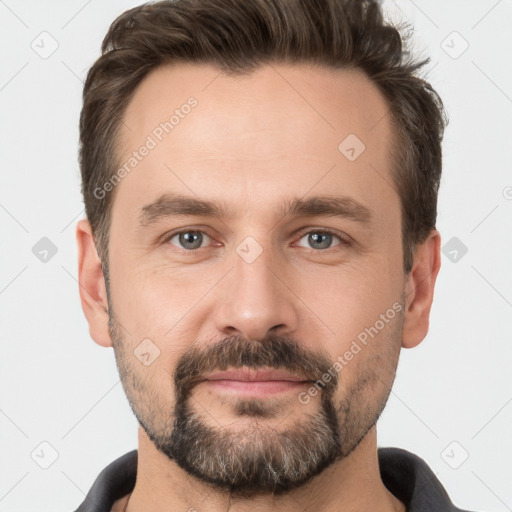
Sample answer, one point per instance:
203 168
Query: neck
352 484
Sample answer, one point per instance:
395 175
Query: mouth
250 382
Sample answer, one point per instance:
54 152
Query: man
260 181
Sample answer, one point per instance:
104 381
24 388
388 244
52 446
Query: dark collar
409 478
406 475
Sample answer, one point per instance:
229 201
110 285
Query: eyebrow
175 205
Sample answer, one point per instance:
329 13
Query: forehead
332 100
280 129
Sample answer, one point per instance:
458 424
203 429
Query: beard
258 458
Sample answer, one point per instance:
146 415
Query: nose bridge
254 299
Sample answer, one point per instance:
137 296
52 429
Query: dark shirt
406 475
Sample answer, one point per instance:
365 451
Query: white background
58 386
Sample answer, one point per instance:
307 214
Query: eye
189 240
321 239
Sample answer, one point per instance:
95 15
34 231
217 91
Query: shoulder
412 481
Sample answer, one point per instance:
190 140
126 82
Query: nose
255 299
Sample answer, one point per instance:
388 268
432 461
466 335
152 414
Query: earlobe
93 295
419 290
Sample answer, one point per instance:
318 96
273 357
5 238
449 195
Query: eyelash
344 240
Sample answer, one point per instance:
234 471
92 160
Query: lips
249 382
252 375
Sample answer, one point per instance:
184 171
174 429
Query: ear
419 290
93 293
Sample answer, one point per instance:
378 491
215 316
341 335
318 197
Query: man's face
305 292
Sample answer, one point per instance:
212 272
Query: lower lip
260 387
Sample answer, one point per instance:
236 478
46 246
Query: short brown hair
238 36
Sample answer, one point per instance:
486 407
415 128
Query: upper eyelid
344 238
170 236
330 231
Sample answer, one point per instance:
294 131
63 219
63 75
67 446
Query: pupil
190 238
322 239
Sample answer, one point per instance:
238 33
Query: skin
252 142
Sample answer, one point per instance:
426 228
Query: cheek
367 365
364 311
343 302
166 307
149 300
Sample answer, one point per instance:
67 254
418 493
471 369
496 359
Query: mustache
274 351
